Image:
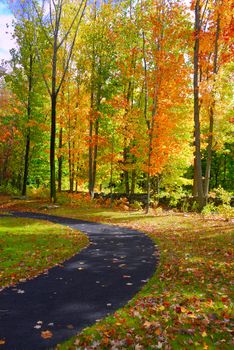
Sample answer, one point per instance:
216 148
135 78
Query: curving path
97 281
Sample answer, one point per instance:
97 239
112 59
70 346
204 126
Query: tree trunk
90 157
52 148
211 112
197 131
209 153
133 183
26 163
27 146
70 163
95 155
195 178
126 175
111 173
60 160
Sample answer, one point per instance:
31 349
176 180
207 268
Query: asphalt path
87 287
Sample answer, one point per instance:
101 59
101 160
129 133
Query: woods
126 97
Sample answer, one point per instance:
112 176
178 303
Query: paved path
97 281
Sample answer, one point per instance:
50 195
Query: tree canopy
125 96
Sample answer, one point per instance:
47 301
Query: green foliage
223 195
39 193
63 198
136 205
226 211
105 94
209 209
9 189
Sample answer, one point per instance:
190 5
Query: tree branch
71 48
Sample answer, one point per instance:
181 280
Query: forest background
119 96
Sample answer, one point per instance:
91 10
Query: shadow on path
92 284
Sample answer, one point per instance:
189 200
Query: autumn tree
212 25
50 20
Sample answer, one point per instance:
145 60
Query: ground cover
29 247
188 302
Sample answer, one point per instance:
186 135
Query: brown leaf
158 331
46 334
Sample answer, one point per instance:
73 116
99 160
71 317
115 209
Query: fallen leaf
46 334
158 331
70 326
38 326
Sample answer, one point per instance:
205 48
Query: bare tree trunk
195 178
197 131
26 163
111 171
95 152
90 157
52 148
133 183
211 112
126 175
60 160
28 138
209 152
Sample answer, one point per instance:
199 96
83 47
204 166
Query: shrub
39 193
9 189
223 195
209 209
63 198
226 211
136 205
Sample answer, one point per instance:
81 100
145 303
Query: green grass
28 247
188 302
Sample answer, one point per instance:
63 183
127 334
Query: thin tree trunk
151 131
133 183
76 183
126 175
224 169
211 113
90 157
26 163
95 152
209 152
60 160
53 119
70 163
27 146
195 178
111 172
52 148
197 131
125 150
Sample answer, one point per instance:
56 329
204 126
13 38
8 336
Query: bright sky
6 41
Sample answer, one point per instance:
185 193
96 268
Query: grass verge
29 247
188 302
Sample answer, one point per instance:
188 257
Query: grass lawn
188 304
29 247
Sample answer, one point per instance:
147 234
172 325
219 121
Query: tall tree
197 128
56 36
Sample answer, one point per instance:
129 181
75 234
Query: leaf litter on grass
29 247
188 302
